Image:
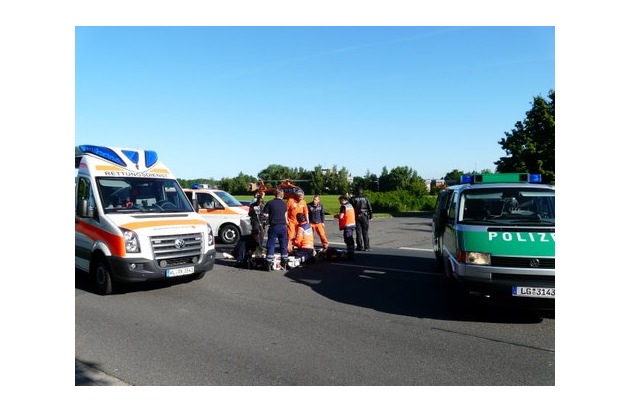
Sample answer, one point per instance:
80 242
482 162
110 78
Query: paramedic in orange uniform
304 242
293 208
347 223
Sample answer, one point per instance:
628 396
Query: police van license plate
179 271
534 292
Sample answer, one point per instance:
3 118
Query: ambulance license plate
179 271
534 292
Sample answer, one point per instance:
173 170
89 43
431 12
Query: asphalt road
379 320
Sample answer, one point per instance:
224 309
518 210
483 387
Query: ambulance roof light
501 178
132 155
150 156
103 152
200 186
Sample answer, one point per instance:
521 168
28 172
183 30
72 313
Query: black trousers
363 228
348 239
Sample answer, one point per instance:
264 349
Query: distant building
431 183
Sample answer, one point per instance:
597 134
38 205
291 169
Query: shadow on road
83 282
403 285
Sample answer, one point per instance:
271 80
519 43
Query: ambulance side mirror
83 209
195 204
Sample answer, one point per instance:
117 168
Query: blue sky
217 101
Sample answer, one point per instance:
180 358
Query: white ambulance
228 217
133 222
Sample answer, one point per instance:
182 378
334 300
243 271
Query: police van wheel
102 278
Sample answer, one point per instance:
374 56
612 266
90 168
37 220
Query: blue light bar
103 152
502 178
150 157
133 155
195 186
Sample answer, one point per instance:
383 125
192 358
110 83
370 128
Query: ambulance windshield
141 195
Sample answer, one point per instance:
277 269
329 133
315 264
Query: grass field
330 203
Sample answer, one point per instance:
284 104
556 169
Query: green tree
531 145
453 176
337 181
276 173
318 180
405 178
238 185
371 181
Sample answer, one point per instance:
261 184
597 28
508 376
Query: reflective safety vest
348 219
304 238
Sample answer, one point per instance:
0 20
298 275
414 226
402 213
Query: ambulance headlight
210 236
477 258
132 245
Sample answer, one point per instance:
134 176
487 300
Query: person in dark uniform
276 212
363 210
255 214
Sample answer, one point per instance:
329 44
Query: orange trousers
319 229
291 232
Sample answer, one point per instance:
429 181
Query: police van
494 237
133 222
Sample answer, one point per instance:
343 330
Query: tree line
529 147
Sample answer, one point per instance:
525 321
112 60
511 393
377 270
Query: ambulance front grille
177 250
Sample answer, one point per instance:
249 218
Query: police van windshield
508 206
133 194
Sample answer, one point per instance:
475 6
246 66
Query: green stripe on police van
530 243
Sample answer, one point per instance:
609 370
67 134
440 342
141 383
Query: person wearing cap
295 206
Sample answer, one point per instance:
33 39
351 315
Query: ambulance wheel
102 277
229 234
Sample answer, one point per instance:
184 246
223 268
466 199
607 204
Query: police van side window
452 207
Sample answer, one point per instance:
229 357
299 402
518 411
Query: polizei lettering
522 237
